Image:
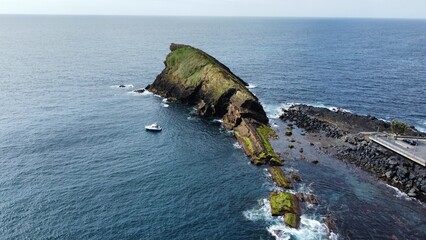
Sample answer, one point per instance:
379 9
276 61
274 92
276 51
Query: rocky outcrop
139 91
285 204
280 178
192 76
344 141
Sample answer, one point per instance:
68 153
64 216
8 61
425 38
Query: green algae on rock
292 220
285 204
279 177
194 77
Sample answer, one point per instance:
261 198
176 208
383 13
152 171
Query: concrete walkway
414 153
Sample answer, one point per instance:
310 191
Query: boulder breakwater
345 136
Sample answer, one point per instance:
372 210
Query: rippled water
76 162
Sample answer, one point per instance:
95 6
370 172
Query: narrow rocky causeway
191 76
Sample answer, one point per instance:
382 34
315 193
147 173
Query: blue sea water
76 162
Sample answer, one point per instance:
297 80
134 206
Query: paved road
414 153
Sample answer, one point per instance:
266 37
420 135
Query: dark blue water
76 162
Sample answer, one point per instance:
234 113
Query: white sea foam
262 212
164 100
273 111
421 129
251 85
145 93
237 145
310 228
399 194
164 105
217 120
331 108
333 236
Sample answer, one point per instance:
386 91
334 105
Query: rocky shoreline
343 135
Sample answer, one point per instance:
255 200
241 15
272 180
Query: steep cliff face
194 77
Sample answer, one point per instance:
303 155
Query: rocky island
191 76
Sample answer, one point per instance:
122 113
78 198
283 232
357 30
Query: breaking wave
399 194
145 93
217 120
273 111
251 85
310 226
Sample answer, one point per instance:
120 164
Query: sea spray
310 225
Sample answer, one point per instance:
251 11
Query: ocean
77 163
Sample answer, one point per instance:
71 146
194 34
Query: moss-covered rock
192 76
283 202
279 177
292 220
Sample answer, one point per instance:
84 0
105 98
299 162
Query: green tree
399 127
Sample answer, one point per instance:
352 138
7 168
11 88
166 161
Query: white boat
153 127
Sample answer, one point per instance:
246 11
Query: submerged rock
295 177
311 199
192 76
139 91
